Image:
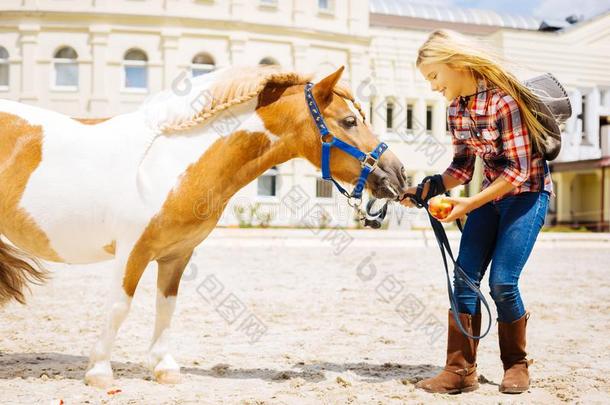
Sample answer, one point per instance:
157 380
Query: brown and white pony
133 188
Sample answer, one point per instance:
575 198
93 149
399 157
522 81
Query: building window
4 67
581 116
324 189
136 70
268 3
325 5
267 183
201 64
268 61
410 117
389 117
429 118
65 68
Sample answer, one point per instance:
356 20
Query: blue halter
368 161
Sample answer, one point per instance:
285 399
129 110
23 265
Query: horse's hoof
99 380
99 376
167 376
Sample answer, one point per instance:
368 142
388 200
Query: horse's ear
323 90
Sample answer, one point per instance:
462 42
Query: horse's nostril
383 179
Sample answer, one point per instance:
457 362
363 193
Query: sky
543 9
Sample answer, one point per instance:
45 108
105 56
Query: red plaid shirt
493 130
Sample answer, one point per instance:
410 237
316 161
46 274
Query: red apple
439 207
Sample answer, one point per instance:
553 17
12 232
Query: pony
150 185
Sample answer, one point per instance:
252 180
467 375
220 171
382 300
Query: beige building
98 58
580 57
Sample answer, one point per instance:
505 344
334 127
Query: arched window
325 5
135 67
4 67
267 183
201 64
268 61
65 68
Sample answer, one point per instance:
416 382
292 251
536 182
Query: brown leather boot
512 352
460 372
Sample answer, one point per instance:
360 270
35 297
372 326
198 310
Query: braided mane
213 93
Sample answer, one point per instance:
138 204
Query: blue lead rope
368 161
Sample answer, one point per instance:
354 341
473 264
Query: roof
416 9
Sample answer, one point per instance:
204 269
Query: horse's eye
349 122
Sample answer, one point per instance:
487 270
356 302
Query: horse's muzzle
389 179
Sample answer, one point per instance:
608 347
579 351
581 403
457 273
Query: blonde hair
458 51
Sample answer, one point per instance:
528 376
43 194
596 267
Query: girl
490 115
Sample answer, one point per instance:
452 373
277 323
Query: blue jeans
502 233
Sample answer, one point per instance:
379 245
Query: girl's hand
406 201
412 190
461 207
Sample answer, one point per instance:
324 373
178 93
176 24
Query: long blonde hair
459 51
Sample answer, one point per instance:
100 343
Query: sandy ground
357 327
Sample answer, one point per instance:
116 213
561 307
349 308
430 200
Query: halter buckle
354 202
370 162
328 136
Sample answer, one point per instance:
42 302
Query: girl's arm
463 205
517 152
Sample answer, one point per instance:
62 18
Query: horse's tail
17 269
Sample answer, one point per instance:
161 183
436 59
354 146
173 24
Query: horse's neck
232 163
248 156
206 160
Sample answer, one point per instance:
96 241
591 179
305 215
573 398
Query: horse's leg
129 267
161 362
